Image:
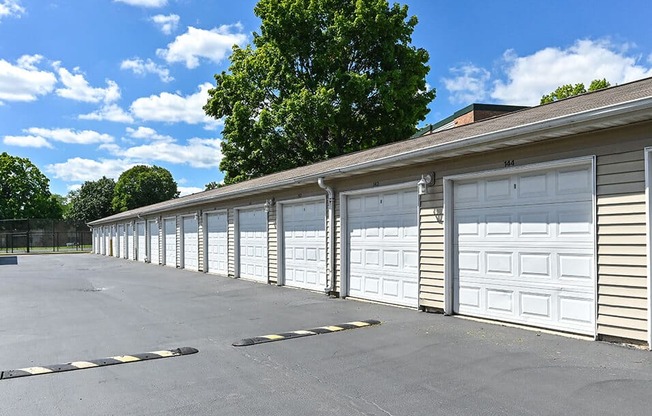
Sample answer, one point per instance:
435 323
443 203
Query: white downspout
330 288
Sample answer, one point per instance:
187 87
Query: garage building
538 217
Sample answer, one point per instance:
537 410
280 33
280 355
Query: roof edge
575 119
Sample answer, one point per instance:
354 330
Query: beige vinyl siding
329 274
338 245
179 220
431 253
621 222
200 242
161 241
231 241
272 246
622 257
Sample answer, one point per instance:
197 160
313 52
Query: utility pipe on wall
331 233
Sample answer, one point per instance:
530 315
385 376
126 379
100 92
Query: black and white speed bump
304 333
80 365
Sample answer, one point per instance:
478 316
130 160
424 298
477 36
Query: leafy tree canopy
568 90
323 78
92 201
212 185
143 185
25 191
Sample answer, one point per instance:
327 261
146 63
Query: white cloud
109 112
187 190
26 141
70 135
198 153
23 81
147 133
530 77
140 67
74 187
174 108
522 80
11 8
468 84
166 24
78 89
79 169
199 43
144 3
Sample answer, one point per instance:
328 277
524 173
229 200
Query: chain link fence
43 235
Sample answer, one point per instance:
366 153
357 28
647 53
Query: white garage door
99 241
153 242
217 259
304 242
130 241
115 241
252 230
170 243
383 245
107 241
121 240
141 243
524 248
190 244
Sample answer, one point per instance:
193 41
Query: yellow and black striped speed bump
304 333
80 365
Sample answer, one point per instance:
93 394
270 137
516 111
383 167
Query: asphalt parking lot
69 308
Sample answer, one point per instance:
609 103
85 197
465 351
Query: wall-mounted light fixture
269 204
425 181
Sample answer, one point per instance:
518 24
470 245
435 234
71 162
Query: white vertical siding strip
594 207
449 252
648 212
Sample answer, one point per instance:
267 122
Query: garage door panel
304 238
574 181
576 310
562 267
536 305
566 222
217 243
141 244
170 231
535 265
383 257
501 301
524 248
121 241
190 243
153 243
526 188
500 264
252 226
130 242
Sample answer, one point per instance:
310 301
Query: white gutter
575 119
331 230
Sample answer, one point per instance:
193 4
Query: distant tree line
25 192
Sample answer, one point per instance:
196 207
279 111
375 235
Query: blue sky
91 88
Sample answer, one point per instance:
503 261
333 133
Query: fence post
28 235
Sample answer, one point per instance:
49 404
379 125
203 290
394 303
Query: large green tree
569 90
143 185
323 78
25 191
92 201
